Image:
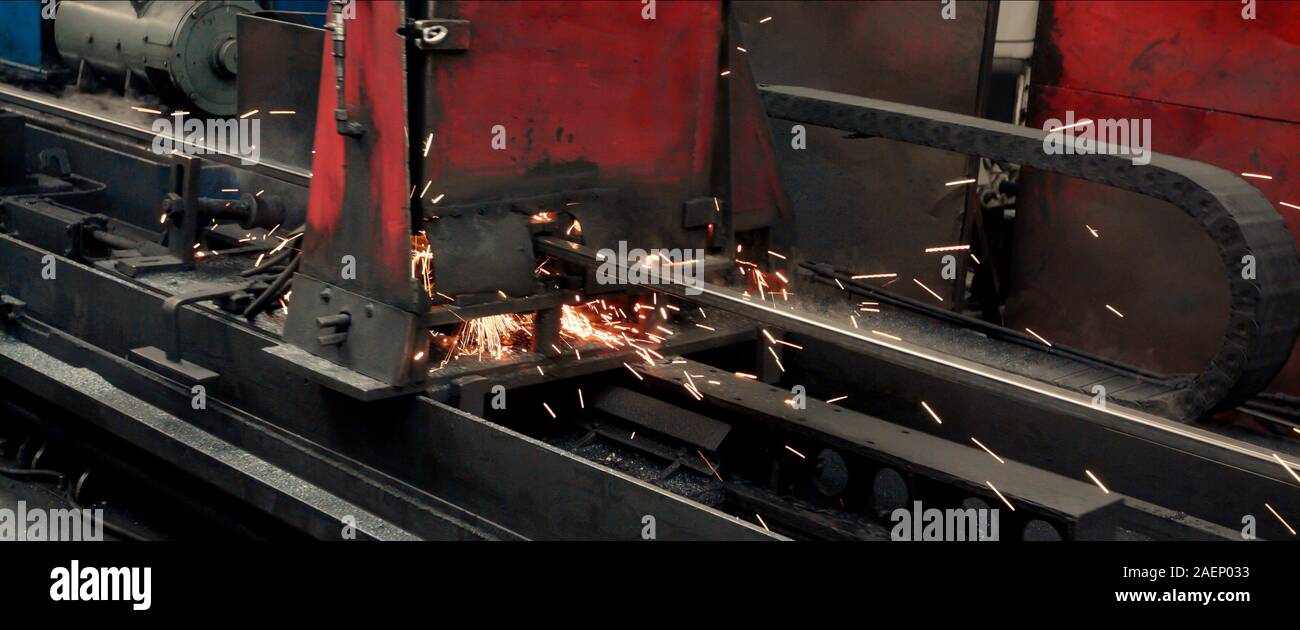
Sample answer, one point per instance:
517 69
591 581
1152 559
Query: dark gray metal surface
248 477
1010 350
334 376
380 341
659 416
280 71
1151 261
533 486
482 252
871 205
13 161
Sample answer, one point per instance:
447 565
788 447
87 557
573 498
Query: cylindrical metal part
114 241
333 339
216 208
265 211
339 320
181 48
250 210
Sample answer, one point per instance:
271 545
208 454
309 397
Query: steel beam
249 478
1083 511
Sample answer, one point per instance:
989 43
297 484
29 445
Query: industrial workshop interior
950 271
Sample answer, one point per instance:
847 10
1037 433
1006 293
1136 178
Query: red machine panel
1216 88
1199 54
585 94
360 186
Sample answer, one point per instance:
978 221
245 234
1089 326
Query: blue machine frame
27 40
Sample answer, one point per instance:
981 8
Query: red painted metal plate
1199 54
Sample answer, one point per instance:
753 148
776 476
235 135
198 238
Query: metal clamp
439 34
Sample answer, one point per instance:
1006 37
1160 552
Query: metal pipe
113 240
272 291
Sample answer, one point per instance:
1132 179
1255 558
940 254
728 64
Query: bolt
325 295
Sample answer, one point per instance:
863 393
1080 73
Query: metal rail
47 112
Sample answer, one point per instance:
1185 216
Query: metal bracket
81 237
701 212
371 345
350 128
485 247
11 308
336 377
54 162
132 267
169 360
439 35
180 212
180 209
